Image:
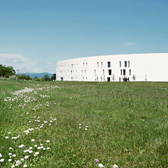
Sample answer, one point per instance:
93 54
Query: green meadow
70 124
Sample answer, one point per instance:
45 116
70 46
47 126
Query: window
125 63
108 79
120 63
124 72
129 71
120 79
103 71
97 64
108 64
121 71
128 63
109 71
101 64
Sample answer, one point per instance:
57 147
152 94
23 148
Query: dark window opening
108 79
120 63
109 71
125 63
121 71
129 71
62 78
124 72
108 64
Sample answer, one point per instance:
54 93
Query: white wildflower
26 150
115 166
100 165
26 157
18 162
21 146
14 138
2 160
36 153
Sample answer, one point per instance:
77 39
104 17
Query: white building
138 67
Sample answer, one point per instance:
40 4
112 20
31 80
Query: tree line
7 71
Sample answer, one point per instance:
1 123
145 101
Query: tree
53 77
46 77
134 77
6 71
36 78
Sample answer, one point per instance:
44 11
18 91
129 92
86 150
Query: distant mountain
38 75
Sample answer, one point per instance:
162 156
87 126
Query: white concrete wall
145 67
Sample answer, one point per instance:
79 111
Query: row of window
122 72
126 63
100 64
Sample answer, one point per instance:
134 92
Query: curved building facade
130 67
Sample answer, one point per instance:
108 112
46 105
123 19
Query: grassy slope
127 124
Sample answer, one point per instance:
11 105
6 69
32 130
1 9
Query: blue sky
35 34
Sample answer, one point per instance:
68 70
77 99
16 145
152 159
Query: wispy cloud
20 63
128 44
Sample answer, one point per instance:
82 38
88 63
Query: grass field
70 124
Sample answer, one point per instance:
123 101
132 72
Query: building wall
144 67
